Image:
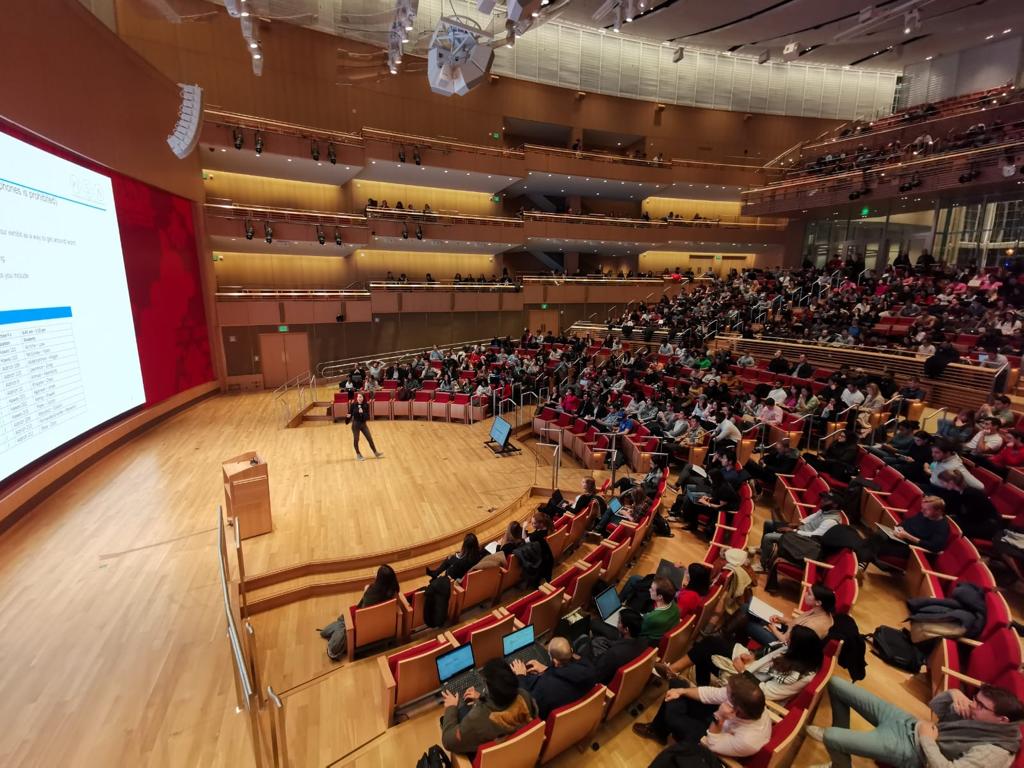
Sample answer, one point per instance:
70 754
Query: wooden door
296 353
544 320
272 359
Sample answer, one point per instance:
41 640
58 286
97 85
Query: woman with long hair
358 415
458 565
384 587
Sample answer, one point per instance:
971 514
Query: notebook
762 610
888 531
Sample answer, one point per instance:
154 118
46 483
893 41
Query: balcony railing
443 285
602 157
442 145
439 217
594 218
589 280
238 292
266 213
238 120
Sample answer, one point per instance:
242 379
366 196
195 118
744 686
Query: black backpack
893 646
435 601
435 757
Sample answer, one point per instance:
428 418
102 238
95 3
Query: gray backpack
337 641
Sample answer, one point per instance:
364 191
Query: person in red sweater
694 590
1010 455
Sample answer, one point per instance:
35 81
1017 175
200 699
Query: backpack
435 601
435 757
660 526
893 646
336 637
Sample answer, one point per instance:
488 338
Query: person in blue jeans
979 732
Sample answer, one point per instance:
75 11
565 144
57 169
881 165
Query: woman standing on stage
359 413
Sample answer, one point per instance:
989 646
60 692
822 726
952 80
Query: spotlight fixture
630 11
419 232
405 232
238 137
332 156
268 232
250 230
314 150
401 154
416 155
320 237
677 56
259 143
337 237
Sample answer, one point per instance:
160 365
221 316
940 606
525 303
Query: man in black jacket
803 369
567 679
610 655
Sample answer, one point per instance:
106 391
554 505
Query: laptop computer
609 606
522 645
614 506
457 671
555 504
670 571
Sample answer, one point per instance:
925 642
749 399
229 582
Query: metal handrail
398 355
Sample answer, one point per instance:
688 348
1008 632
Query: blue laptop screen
608 602
614 505
513 641
454 662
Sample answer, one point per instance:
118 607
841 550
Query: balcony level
973 171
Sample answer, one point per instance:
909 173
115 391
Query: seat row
426 403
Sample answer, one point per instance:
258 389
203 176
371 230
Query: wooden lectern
247 494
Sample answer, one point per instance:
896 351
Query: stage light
250 230
416 155
268 232
630 10
320 237
238 137
259 143
405 232
337 237
331 154
314 150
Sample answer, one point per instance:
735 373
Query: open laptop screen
513 641
454 662
608 602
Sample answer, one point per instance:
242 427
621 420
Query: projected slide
68 356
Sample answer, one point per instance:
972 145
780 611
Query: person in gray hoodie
483 717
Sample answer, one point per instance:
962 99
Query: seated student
782 671
778 459
503 709
384 587
656 622
690 598
944 456
580 504
731 721
987 442
632 504
512 539
609 655
839 459
814 525
969 508
723 496
979 732
568 678
458 565
1010 455
818 618
928 529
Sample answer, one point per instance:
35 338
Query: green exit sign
495 135
495 198
282 329
543 306
864 211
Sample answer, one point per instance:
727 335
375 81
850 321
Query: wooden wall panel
276 193
299 312
512 301
69 79
358 311
299 84
467 302
475 203
382 302
566 293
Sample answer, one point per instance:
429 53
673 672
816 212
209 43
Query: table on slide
40 378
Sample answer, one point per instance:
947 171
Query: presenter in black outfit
359 413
